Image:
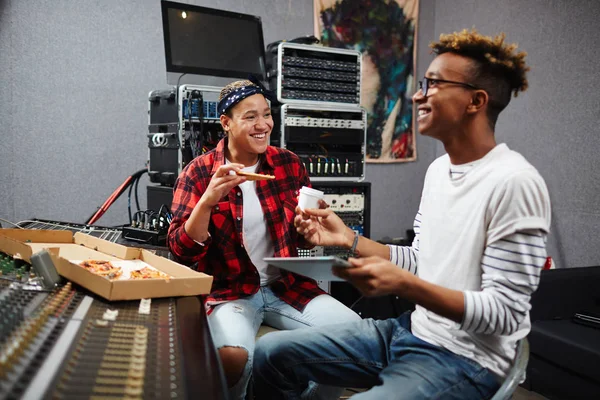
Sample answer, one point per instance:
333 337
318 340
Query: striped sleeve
511 270
404 256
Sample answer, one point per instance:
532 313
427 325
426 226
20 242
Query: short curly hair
498 68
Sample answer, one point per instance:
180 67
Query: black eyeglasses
426 82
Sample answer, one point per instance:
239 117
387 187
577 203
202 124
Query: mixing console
16 269
119 352
114 235
67 343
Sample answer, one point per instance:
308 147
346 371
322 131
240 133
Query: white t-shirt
257 240
465 209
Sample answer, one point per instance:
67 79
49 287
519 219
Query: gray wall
74 84
76 74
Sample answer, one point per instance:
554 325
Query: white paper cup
309 198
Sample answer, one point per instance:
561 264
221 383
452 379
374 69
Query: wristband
354 244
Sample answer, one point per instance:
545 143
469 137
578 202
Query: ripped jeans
236 323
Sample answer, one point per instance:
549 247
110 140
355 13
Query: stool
516 372
264 329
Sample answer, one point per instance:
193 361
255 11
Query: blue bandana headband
242 92
236 96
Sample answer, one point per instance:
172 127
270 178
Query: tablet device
318 268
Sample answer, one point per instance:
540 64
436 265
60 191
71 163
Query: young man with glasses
475 261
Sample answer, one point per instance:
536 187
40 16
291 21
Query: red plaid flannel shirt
223 255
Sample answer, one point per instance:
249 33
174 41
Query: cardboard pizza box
66 247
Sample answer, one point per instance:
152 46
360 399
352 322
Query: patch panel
329 141
210 110
310 74
191 109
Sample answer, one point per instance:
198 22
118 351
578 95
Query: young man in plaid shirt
228 224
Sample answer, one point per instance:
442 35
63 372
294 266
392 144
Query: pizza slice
102 268
250 176
148 273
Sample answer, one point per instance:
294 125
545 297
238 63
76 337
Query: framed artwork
384 31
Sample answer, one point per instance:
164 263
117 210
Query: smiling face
443 112
248 125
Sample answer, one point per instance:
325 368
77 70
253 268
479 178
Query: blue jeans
235 324
382 355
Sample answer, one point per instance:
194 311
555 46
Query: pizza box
65 247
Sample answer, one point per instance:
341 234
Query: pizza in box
122 269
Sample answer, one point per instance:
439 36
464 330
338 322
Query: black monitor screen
206 41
